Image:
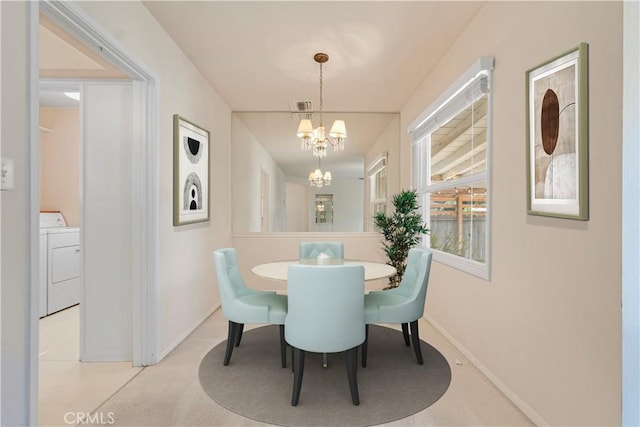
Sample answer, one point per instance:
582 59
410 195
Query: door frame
630 214
144 173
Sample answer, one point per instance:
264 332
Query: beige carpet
170 394
392 386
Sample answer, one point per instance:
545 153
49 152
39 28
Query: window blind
468 89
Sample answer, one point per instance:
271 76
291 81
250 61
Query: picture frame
557 118
191 155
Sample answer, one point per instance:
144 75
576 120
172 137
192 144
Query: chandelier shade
339 130
305 130
315 139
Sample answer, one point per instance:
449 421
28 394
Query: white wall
278 203
186 288
297 207
1 366
630 216
348 205
248 159
546 327
245 178
17 322
387 142
106 327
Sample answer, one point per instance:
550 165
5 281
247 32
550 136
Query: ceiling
258 56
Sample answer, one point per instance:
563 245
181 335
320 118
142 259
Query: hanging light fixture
318 179
316 139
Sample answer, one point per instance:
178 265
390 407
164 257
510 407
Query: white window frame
446 106
373 170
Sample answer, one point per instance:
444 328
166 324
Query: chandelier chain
319 139
321 122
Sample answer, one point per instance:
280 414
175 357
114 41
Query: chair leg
231 339
415 337
298 363
365 346
356 357
283 347
405 333
352 366
292 354
239 333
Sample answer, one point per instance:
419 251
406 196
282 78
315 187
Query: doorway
62 347
140 183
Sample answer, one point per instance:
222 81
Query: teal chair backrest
313 249
416 275
232 288
326 307
413 285
229 259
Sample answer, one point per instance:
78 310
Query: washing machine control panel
52 219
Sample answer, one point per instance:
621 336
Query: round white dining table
278 270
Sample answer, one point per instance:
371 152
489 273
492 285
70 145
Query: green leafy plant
402 230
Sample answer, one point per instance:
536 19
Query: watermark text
103 418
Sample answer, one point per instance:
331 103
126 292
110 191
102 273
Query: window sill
469 266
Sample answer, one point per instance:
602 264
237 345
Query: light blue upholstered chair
313 249
326 315
404 304
241 304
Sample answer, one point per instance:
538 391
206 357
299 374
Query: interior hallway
169 394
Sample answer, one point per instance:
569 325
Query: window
377 173
451 144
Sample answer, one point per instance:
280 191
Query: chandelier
318 179
316 139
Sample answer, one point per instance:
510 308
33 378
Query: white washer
62 286
43 272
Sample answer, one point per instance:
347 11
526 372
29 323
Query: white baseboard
188 332
521 404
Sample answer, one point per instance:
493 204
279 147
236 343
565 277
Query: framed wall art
190 172
558 136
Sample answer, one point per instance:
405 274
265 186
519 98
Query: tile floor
66 385
169 393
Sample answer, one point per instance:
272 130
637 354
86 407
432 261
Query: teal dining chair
313 249
404 304
326 315
241 304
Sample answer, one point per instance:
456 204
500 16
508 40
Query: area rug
391 387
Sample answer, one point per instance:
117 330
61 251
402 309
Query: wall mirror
271 191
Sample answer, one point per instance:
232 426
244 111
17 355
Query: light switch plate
7 174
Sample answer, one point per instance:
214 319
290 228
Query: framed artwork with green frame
190 172
557 118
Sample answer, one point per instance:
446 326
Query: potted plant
402 230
